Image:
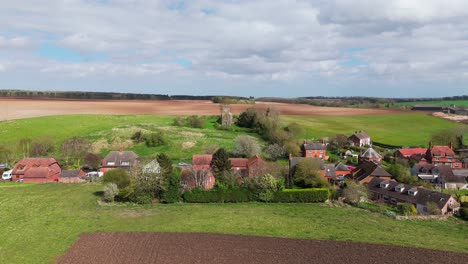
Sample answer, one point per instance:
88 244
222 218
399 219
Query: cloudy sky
255 48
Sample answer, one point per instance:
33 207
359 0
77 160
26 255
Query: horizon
384 49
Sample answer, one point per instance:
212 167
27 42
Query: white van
6 176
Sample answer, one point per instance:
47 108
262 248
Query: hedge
312 195
219 196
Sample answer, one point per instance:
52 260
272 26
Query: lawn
460 103
412 129
40 222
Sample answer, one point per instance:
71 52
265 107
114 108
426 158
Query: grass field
412 129
39 222
460 103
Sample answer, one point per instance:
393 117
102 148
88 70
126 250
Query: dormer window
125 163
384 184
412 192
111 163
400 188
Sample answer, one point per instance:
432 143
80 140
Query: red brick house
368 170
200 162
410 153
392 192
119 159
442 155
359 139
36 170
314 150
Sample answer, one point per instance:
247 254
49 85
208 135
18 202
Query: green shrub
406 209
172 193
118 176
156 139
463 213
110 191
313 195
230 195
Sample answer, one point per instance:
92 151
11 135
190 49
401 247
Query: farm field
460 103
40 222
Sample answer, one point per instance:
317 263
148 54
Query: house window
125 163
111 163
385 198
393 200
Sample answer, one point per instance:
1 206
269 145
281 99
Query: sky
261 48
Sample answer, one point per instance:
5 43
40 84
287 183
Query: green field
40 222
411 129
460 103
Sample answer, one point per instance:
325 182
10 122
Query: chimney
121 149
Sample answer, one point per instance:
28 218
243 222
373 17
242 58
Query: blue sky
247 48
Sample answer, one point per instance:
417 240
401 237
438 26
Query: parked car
94 174
6 176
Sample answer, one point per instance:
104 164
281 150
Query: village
436 170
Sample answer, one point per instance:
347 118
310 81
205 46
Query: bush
156 139
110 191
463 213
313 195
172 193
406 209
118 176
275 151
230 195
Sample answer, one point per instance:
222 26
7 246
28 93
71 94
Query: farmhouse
442 155
392 192
314 150
359 139
37 170
119 159
368 170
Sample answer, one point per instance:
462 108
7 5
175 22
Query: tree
248 118
92 160
275 151
295 129
24 145
165 164
156 139
220 162
453 135
138 137
402 174
341 141
198 177
354 192
42 146
149 186
267 185
307 174
246 146
118 176
172 193
75 148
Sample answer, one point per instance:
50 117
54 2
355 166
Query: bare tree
197 177
75 148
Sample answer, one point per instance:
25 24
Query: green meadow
412 129
40 222
460 103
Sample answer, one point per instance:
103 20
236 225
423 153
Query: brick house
368 170
36 170
119 160
392 192
442 155
314 150
415 154
359 139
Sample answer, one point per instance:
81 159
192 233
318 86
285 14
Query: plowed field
26 108
216 248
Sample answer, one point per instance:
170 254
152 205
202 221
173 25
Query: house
442 155
328 172
368 170
72 176
37 170
410 153
244 167
151 167
119 159
314 150
359 139
191 179
392 192
440 176
370 155
200 162
341 172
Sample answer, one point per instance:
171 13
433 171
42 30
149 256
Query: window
125 163
385 198
111 163
393 200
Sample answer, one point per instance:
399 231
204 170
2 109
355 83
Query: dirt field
215 248
25 108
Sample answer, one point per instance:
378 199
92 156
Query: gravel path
216 248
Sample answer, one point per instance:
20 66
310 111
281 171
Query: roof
443 173
24 165
313 146
361 135
120 156
370 153
70 173
407 152
238 162
255 159
341 167
37 172
329 170
204 159
422 196
369 168
442 151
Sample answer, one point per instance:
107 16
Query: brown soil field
217 248
26 108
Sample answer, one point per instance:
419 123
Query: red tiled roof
239 162
407 152
39 172
202 160
29 163
442 151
